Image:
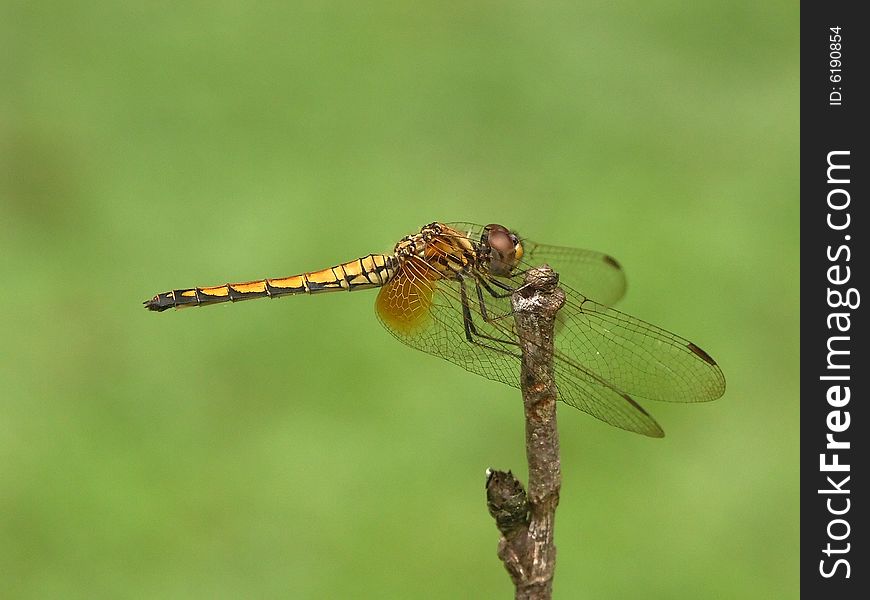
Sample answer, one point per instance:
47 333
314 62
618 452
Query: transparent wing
636 357
603 358
596 274
443 333
430 314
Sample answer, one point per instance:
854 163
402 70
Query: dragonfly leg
480 301
479 284
499 284
486 283
468 322
471 332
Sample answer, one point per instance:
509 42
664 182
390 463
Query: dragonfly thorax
440 250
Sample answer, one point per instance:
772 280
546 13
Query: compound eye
502 245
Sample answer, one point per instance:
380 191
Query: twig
526 520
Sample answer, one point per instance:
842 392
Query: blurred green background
294 448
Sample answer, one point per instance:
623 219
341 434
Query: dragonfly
446 291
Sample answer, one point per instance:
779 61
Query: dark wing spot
612 262
656 431
706 357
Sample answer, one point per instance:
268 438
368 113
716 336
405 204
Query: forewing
635 357
595 274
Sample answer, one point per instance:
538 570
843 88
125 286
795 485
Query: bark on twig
525 520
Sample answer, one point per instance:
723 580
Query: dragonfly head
500 249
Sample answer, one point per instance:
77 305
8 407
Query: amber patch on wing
403 303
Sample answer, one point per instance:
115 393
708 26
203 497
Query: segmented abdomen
369 271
